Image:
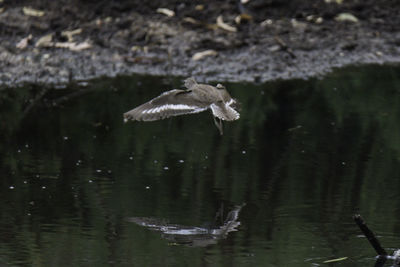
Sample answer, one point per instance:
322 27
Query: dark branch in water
369 235
380 261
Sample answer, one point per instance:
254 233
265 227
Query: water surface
303 158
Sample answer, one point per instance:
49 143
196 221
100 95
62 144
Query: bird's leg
219 125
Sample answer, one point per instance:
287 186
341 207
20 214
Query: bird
195 98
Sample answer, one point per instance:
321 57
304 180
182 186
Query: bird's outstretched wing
171 103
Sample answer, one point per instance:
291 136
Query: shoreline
152 43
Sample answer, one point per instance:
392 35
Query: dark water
75 182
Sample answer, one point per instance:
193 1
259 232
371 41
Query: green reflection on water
304 156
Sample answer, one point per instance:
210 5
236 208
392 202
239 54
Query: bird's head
220 87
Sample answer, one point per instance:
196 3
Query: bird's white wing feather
171 103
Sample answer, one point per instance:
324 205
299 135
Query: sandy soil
57 42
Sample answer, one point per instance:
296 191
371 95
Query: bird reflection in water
192 235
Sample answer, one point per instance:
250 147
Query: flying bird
196 98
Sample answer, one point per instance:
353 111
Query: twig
284 46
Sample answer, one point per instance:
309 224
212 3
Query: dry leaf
45 41
346 17
314 18
32 12
167 12
243 17
298 24
200 23
73 46
238 19
136 48
206 53
80 46
24 42
310 17
266 22
225 26
64 45
191 20
334 1
199 7
70 34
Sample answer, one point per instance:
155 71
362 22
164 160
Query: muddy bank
46 42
